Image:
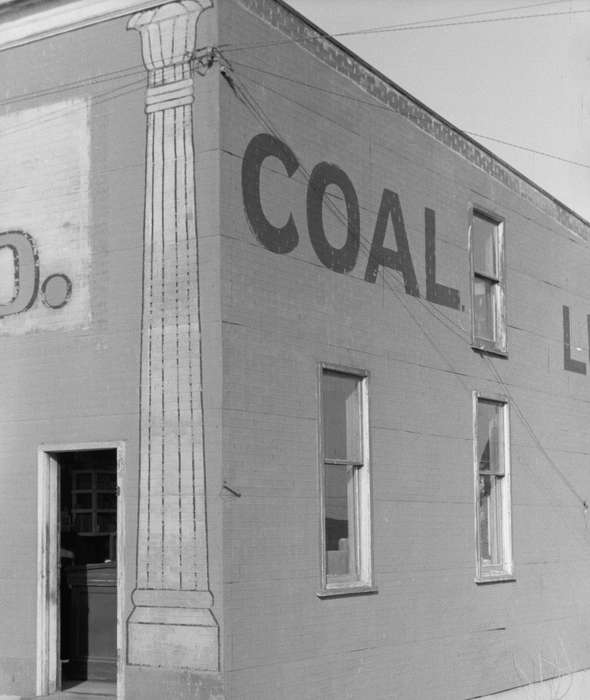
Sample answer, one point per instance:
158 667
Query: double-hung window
492 489
487 265
345 483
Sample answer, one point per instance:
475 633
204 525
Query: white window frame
498 344
360 581
503 568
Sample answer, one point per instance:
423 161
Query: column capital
168 32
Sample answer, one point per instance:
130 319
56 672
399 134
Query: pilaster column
171 624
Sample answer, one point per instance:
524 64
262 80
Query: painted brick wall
72 143
68 375
430 631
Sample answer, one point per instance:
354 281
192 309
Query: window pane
106 522
489 436
106 500
490 519
341 417
106 480
83 480
484 309
486 518
83 522
484 242
339 519
82 500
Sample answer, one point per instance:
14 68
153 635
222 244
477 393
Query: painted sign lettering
337 259
55 290
284 239
435 292
277 240
399 259
342 260
26 271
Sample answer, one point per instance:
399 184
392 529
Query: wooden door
91 621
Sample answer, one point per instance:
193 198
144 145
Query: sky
525 81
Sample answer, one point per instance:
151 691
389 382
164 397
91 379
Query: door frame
48 583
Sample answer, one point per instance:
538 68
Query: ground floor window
345 481
492 488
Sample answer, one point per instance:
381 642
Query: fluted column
171 624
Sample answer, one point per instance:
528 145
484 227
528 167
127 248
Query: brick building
294 374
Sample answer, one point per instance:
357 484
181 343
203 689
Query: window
487 264
492 489
345 483
94 509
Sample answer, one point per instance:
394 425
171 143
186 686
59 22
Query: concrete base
146 683
174 637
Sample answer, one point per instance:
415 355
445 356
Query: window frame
498 345
503 570
362 581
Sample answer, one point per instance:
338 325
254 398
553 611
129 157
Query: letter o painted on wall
338 259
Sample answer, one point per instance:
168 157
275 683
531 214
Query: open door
88 566
78 616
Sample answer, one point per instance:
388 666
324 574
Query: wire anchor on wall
203 59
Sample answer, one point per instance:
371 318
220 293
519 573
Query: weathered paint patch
44 247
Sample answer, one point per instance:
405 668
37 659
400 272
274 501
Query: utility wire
243 94
384 30
387 108
83 82
63 110
534 437
530 150
474 14
403 28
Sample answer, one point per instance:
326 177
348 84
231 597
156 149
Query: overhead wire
476 14
243 94
530 150
64 109
251 103
533 435
381 106
82 82
402 28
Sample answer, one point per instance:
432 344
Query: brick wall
430 631
68 375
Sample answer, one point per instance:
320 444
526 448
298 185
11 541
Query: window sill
494 578
488 349
350 589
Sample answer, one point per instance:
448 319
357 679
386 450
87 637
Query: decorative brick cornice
336 56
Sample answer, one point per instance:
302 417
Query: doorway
79 628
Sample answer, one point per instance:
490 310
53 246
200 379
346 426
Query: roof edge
279 14
25 21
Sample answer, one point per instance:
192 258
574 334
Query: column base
173 637
148 683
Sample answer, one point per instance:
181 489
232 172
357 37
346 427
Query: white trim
43 23
498 345
47 567
506 573
363 582
48 562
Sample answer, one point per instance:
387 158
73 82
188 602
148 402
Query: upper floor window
487 265
345 482
492 489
